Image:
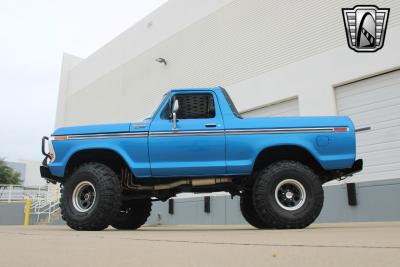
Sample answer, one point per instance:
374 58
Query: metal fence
42 199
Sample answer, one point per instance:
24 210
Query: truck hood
102 128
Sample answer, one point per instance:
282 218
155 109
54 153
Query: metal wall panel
285 108
375 103
12 213
240 40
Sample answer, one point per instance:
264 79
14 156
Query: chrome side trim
186 133
103 136
201 132
281 130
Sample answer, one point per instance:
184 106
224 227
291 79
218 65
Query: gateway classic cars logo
365 27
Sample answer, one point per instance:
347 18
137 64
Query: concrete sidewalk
356 244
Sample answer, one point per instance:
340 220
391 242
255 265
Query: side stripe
199 133
187 133
282 130
104 136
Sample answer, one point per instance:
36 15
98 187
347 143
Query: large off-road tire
287 195
90 197
249 212
132 215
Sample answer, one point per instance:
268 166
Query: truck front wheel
132 215
90 197
288 194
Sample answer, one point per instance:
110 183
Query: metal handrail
18 192
43 199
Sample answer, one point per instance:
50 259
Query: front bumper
44 169
46 174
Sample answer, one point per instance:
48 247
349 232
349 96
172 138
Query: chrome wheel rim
84 196
290 194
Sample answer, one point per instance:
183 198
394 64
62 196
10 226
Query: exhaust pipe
126 181
210 181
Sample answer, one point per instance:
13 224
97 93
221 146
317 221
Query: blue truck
196 141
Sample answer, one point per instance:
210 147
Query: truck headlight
52 154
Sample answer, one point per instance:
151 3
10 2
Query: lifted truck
196 141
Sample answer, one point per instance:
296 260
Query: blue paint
205 155
92 129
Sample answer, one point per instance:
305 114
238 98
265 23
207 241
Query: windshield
158 107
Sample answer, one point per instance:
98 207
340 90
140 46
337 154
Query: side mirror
175 109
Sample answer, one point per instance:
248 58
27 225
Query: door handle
209 125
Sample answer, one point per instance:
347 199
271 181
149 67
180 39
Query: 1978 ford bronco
196 141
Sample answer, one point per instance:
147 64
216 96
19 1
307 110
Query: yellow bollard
27 211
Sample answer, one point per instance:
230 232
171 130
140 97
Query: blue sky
33 36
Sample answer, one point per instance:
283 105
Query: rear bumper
357 167
46 174
340 174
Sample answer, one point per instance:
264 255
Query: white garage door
374 106
284 108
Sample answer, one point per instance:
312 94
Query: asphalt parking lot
355 244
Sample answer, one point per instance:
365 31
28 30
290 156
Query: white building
273 57
29 172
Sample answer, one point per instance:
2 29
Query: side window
195 106
165 112
192 106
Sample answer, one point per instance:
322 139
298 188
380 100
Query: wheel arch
286 152
106 156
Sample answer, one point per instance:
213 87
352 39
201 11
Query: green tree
8 175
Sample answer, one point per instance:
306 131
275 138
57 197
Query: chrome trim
103 136
281 130
301 194
89 198
140 126
200 132
186 133
52 152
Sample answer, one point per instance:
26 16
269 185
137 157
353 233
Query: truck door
196 147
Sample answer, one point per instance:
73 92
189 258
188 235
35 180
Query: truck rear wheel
249 212
288 194
132 215
90 197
